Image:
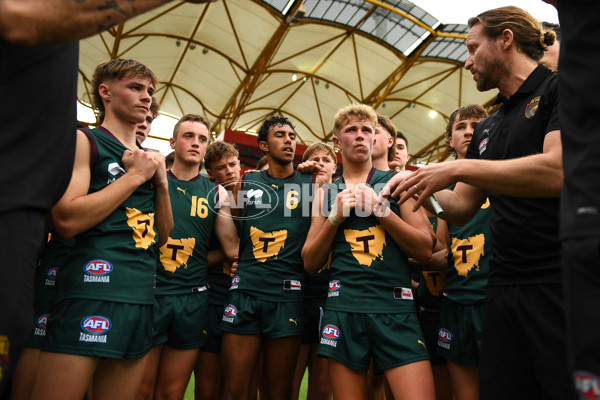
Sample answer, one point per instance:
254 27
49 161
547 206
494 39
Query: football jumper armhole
217 190
94 150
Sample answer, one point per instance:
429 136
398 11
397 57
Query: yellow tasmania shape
176 252
267 244
367 245
467 253
143 227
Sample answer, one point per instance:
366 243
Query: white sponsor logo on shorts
86 337
329 342
92 278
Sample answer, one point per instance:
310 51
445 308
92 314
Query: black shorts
582 282
430 325
313 317
523 347
21 240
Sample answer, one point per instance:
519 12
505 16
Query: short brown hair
468 111
216 150
170 159
193 118
262 162
528 33
361 111
154 108
390 128
117 68
319 146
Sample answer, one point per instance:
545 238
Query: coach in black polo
515 158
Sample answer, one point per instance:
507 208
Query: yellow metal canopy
239 61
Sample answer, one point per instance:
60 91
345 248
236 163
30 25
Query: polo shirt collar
533 80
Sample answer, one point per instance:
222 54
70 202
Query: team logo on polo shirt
94 329
532 107
97 271
330 335
588 385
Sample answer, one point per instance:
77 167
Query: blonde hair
360 111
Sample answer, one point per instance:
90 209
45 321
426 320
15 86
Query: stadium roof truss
240 61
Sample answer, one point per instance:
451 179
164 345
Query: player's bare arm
225 228
439 258
163 217
32 22
323 228
538 175
77 210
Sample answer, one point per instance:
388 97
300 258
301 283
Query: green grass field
189 393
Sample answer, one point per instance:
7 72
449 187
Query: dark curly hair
263 131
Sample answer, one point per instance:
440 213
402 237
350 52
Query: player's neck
277 170
356 173
183 171
124 131
381 164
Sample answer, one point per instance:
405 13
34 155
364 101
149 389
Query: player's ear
104 91
264 146
172 143
336 142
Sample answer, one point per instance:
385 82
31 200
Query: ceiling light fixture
287 7
433 114
294 77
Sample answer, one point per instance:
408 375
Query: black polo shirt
525 239
580 207
38 123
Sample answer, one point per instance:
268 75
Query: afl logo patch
230 310
42 320
96 325
483 145
331 332
532 107
445 335
235 280
334 286
98 268
587 385
51 273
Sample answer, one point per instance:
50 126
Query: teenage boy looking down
370 311
116 204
